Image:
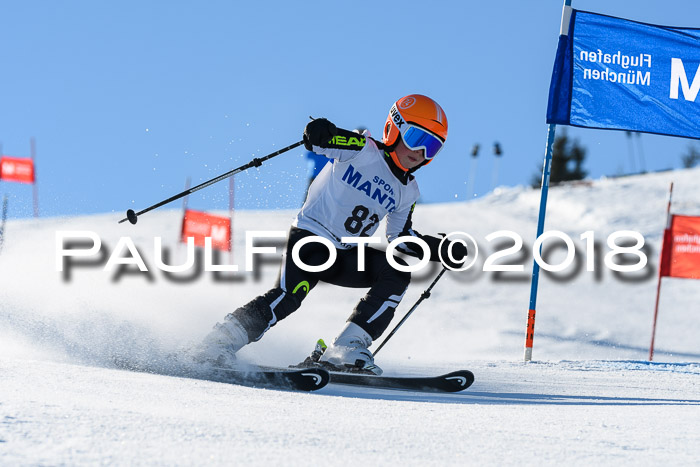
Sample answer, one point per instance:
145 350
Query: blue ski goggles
417 138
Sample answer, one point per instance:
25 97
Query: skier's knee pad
373 314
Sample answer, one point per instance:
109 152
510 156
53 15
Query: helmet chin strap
395 158
391 150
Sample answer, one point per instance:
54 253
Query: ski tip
450 382
315 378
305 379
459 380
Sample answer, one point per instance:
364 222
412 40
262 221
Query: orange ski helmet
421 123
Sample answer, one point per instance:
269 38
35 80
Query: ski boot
348 353
219 347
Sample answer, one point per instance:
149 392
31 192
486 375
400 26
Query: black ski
307 379
450 382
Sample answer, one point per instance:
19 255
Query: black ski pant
374 311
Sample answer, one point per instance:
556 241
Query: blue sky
127 99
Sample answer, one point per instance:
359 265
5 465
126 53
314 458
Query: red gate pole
658 285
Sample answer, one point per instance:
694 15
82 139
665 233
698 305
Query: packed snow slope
588 396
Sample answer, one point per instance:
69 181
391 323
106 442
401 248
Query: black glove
318 132
459 253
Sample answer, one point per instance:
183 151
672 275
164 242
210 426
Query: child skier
367 181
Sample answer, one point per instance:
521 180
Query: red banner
199 225
17 169
680 256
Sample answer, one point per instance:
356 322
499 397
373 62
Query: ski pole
132 216
423 296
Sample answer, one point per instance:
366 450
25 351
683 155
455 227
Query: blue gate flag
613 73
